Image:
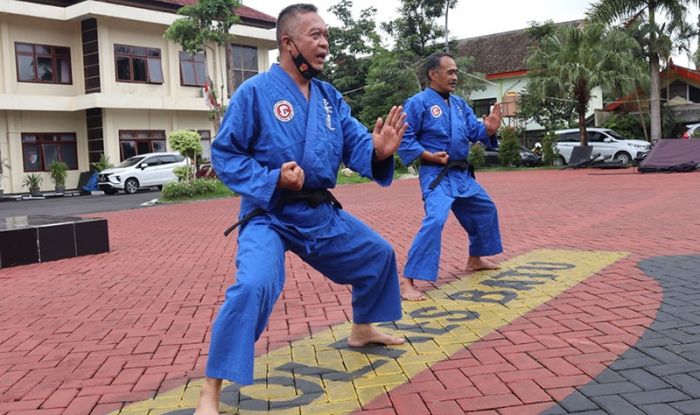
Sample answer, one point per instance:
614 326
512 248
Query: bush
549 150
477 158
509 151
183 173
197 187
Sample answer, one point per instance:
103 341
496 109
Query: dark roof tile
500 52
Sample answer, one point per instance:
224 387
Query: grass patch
199 189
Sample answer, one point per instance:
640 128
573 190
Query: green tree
509 149
189 144
416 30
202 25
549 150
576 59
389 83
353 42
658 40
477 156
551 112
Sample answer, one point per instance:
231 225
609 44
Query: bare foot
477 263
209 397
366 334
409 291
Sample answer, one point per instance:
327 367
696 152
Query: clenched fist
291 176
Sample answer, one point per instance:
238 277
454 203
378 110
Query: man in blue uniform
280 146
441 127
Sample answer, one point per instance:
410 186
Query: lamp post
447 42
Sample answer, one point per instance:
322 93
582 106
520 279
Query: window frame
152 135
131 56
194 63
241 69
55 60
40 144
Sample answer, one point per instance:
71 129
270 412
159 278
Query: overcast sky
471 17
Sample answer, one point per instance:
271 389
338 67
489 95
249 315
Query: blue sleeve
476 130
231 152
410 149
358 148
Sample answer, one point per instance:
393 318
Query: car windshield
615 135
130 162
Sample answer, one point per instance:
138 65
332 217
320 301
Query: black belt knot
313 197
462 165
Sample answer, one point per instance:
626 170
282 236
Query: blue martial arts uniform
270 122
433 125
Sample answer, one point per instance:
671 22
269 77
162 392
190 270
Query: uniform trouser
478 216
359 257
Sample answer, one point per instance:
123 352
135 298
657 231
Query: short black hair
287 14
433 62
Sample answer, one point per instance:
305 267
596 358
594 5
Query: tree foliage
657 39
477 156
389 83
353 43
416 30
202 24
509 148
576 59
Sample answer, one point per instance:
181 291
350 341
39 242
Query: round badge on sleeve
284 111
436 111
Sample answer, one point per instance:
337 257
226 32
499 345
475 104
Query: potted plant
32 181
58 171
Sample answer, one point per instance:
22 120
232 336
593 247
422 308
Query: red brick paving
89 334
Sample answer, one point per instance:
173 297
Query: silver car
604 141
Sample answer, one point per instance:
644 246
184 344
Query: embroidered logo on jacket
283 111
329 110
436 111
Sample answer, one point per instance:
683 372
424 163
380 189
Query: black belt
313 197
462 165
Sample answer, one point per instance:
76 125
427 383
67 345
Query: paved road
595 311
76 205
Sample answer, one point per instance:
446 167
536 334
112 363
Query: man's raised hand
291 176
493 121
387 134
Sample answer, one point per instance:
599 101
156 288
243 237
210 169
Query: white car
144 170
604 141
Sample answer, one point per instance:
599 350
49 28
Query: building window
133 143
206 144
244 63
193 69
482 107
39 150
42 63
138 64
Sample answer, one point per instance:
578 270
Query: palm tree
574 60
657 40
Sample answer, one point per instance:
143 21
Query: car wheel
559 161
131 186
623 157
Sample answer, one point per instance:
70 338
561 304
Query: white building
83 78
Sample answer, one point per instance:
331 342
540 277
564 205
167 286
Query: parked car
693 131
527 157
603 141
144 170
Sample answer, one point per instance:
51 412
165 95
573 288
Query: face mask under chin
303 66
